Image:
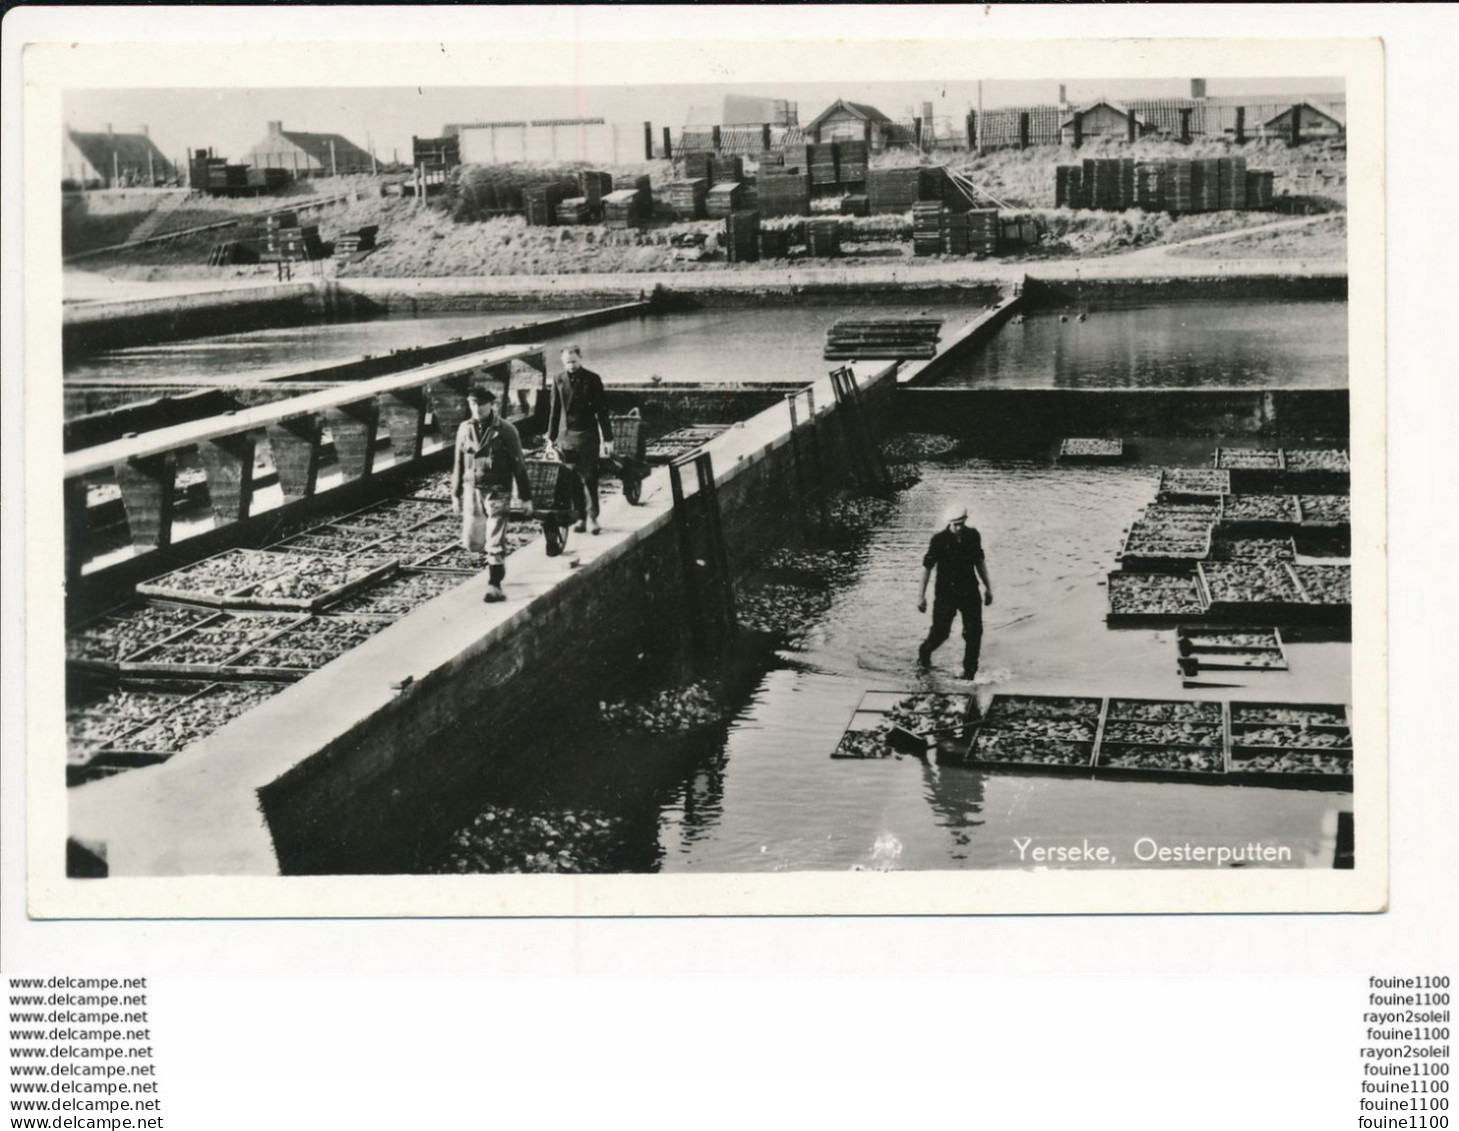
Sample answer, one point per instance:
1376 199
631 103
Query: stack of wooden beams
851 162
1259 188
882 338
982 231
823 165
722 169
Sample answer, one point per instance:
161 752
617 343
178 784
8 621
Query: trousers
970 607
484 522
582 461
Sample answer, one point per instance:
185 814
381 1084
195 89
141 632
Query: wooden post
1078 128
333 165
149 488
648 141
116 174
1296 125
373 168
765 136
1185 125
972 127
1240 125
295 445
404 414
1023 130
354 427
1132 129
917 132
151 173
668 145
228 462
715 139
77 528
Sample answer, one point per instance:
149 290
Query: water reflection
1174 345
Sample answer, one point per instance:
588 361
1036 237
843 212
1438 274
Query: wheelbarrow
627 460
552 503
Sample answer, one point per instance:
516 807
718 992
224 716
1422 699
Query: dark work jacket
579 410
955 558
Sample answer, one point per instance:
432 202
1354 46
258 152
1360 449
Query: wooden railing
146 466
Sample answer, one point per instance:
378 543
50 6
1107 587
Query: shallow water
224 358
1213 344
763 793
726 345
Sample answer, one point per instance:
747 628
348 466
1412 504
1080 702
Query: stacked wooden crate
1206 184
851 162
855 205
742 237
542 201
823 238
774 243
955 233
927 226
982 231
1259 188
897 190
285 238
686 198
574 210
1126 184
593 186
1150 186
698 167
1062 198
1177 185
722 199
722 169
882 338
1233 183
620 209
352 243
783 194
823 165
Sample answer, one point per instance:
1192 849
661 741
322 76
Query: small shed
1103 118
1314 123
852 121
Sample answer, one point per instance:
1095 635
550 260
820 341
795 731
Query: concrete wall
1026 421
89 327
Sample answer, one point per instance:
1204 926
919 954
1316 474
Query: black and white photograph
928 493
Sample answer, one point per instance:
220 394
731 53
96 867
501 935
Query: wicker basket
548 484
628 435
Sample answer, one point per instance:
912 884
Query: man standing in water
579 411
488 458
956 553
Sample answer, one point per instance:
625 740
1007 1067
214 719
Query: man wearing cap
956 552
579 413
488 458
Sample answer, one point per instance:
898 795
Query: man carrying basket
488 458
579 413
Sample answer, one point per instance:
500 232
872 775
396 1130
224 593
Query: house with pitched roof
93 160
309 154
1313 122
854 121
1103 118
